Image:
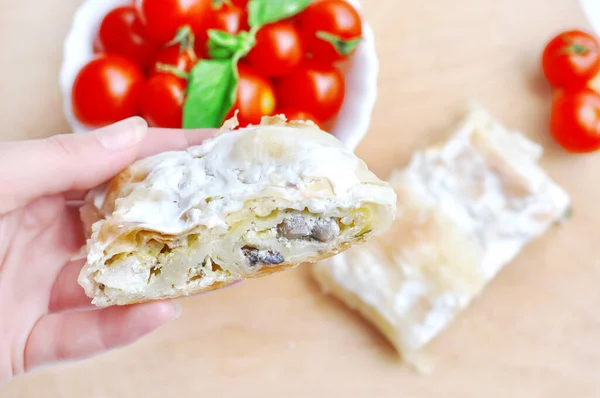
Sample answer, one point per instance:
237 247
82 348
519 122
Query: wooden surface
534 333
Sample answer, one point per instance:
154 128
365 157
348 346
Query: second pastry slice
465 209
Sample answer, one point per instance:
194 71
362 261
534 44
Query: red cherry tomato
225 17
332 29
594 83
106 90
163 18
571 59
278 49
181 61
161 101
575 121
241 3
297 114
315 87
121 32
255 97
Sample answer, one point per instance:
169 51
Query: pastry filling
308 226
300 230
262 257
166 263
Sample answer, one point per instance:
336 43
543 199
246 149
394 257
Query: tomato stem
342 46
184 38
575 48
579 49
217 4
165 68
567 214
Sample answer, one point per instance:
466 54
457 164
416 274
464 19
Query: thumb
66 162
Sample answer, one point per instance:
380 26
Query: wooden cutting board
534 333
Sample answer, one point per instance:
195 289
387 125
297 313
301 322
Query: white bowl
361 73
591 9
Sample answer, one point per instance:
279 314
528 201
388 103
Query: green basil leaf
225 45
219 53
342 46
222 44
211 93
263 12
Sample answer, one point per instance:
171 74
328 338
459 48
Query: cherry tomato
278 49
162 19
594 83
180 61
315 87
121 32
106 90
575 120
571 59
255 97
332 29
225 17
161 101
297 114
241 3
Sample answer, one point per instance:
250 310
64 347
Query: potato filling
279 238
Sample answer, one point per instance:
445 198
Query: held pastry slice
246 203
465 209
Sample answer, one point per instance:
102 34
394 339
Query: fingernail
123 134
177 309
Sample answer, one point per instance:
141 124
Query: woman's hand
45 316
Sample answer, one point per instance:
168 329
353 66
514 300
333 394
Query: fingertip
123 134
163 140
167 310
154 314
197 136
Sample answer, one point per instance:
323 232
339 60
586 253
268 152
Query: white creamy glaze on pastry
465 209
245 203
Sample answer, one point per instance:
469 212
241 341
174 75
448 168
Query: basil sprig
225 45
212 83
263 12
211 93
